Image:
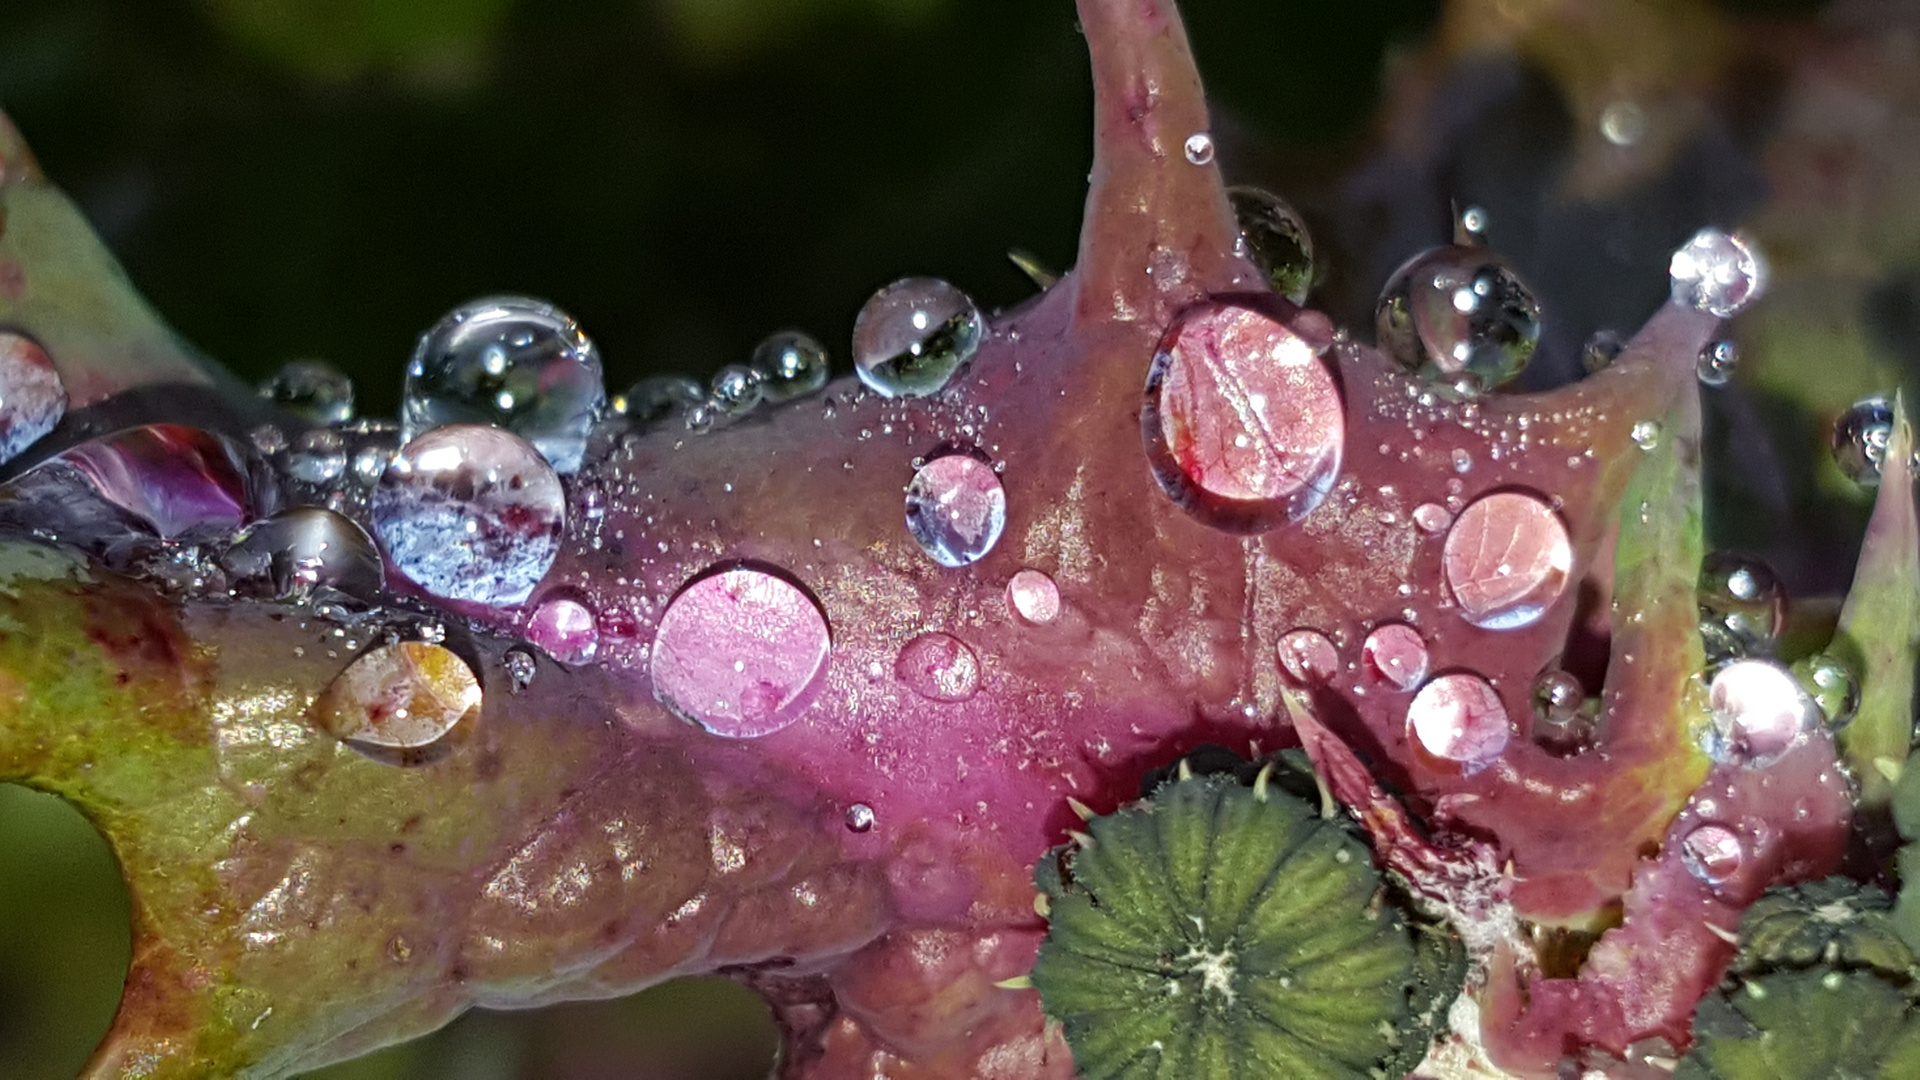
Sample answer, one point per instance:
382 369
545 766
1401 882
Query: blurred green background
325 178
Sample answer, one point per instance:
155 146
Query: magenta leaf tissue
536 694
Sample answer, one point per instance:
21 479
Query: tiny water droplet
1601 350
1459 719
956 508
1758 713
790 364
1456 313
1274 238
1717 272
312 390
938 667
913 336
1396 653
1462 461
1308 656
1646 434
1470 230
1243 422
521 668
1716 363
1033 597
32 397
564 629
1712 853
741 652
513 362
1432 518
1563 721
1860 439
860 817
399 696
1199 148
471 513
1506 559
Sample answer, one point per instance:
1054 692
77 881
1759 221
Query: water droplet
1712 853
860 817
1431 518
267 439
521 668
791 364
1601 350
1716 363
312 390
1758 713
658 399
1462 461
1033 597
1397 654
913 336
1563 720
1646 434
1470 229
1623 123
956 508
1199 148
1274 238
304 548
513 362
938 667
1244 423
1832 685
167 479
1459 718
32 397
1717 273
1743 606
1308 656
564 629
1860 440
741 652
1506 560
1455 312
470 513
400 696
318 457
734 390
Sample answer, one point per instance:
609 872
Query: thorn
1329 806
1184 771
1030 265
1018 982
1080 838
1723 933
1080 808
1260 782
1042 906
1888 768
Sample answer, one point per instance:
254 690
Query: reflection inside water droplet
938 667
1758 713
956 508
1459 719
1712 853
1743 606
1034 597
740 652
1506 560
1396 653
1308 656
399 696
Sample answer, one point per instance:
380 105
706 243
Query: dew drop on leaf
741 651
521 668
1308 656
312 390
1199 148
1860 440
1561 721
1601 350
1459 312
1274 238
860 817
913 336
32 397
657 399
1396 653
938 667
956 508
1034 597
1743 606
1712 853
1506 559
401 696
564 629
790 364
1459 719
1716 363
1757 713
1832 685
735 390
317 457
1716 272
301 549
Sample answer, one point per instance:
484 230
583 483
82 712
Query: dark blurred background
325 178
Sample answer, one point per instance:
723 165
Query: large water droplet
32 397
1742 606
400 696
1397 654
1716 363
1243 422
1506 560
318 457
913 336
1832 685
512 362
956 508
734 390
313 390
1034 597
171 480
1459 311
741 652
1860 440
1712 853
938 667
302 549
1717 273
1563 721
1459 719
1274 238
470 513
791 364
1758 713
1308 656
564 629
